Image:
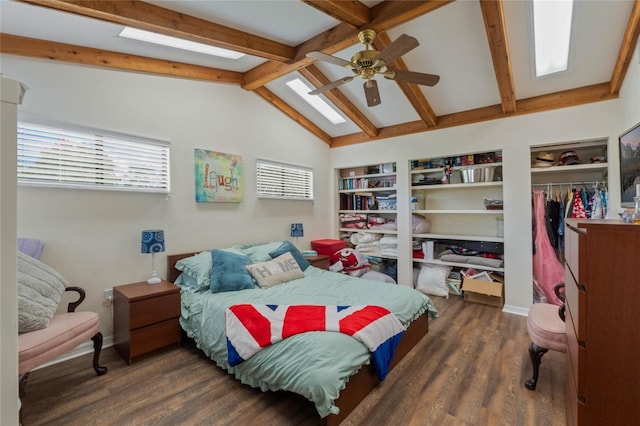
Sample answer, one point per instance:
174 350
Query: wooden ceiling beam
568 98
625 54
318 79
34 48
338 38
149 17
274 100
351 12
496 29
385 15
411 91
391 13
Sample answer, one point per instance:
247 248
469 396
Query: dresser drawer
576 354
570 393
153 337
573 258
153 310
575 406
576 302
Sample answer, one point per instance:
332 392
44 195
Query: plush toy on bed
349 261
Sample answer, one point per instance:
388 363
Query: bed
333 370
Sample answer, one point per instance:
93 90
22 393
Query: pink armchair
545 326
65 332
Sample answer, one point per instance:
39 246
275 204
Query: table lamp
153 242
297 230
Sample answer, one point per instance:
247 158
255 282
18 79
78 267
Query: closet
568 180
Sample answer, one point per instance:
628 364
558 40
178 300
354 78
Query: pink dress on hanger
547 269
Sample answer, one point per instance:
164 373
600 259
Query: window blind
53 156
283 181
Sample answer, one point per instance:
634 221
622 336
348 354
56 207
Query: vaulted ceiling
480 48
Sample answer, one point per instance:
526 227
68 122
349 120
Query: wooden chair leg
535 352
22 384
97 347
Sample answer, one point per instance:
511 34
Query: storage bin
327 246
354 171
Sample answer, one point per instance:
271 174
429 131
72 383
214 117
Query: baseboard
83 349
515 310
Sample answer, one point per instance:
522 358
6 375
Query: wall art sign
218 176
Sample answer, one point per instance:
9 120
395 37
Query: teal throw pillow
228 272
286 246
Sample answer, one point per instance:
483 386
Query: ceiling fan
369 62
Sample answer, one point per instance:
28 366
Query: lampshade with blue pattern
297 230
152 241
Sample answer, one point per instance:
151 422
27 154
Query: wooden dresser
602 277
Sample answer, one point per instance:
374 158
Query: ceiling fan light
178 43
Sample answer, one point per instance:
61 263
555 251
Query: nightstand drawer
153 310
153 337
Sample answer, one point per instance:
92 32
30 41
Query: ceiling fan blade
372 93
412 77
331 85
399 47
319 56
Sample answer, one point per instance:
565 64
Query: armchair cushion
40 289
65 332
545 327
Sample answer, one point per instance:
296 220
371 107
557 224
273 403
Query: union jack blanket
252 327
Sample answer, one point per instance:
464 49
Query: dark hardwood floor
469 370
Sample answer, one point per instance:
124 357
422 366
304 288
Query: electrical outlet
108 295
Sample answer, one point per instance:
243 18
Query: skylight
315 101
178 43
552 34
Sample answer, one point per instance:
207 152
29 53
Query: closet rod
566 183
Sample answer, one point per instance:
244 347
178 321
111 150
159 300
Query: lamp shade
297 230
152 241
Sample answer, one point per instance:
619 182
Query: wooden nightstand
320 261
145 317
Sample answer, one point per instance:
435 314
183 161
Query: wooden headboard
172 259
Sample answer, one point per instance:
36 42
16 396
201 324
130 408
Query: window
82 158
283 181
552 35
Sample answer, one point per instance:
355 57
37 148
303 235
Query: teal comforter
316 365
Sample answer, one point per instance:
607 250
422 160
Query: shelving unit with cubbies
461 208
367 200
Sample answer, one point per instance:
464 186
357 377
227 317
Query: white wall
630 96
514 136
93 237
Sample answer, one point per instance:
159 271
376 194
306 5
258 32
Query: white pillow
280 270
432 280
40 289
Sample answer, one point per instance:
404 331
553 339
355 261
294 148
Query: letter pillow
252 327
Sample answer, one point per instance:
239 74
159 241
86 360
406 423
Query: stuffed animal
349 261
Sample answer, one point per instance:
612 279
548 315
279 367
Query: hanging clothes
552 218
547 269
597 212
561 226
578 206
